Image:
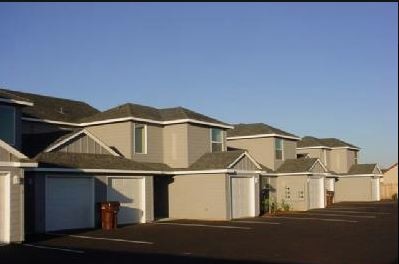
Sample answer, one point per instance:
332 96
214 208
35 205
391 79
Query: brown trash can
330 198
109 214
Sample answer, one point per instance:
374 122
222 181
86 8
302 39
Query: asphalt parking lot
343 233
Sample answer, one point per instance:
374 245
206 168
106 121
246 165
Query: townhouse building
350 181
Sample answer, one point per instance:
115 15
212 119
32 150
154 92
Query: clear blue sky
326 69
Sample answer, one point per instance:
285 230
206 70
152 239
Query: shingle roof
255 129
309 141
53 108
362 169
216 160
296 165
94 161
147 112
7 95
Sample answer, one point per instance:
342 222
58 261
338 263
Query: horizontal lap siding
245 164
296 184
201 196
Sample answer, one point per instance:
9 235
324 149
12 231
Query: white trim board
13 101
321 163
18 164
246 154
12 150
150 121
263 136
325 147
87 133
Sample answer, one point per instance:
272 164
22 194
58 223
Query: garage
316 192
69 203
242 197
129 192
4 208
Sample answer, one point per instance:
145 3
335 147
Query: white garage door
242 197
316 193
129 193
69 203
375 189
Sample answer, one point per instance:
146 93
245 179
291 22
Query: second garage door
127 191
316 193
242 198
69 203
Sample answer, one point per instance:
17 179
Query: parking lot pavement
285 239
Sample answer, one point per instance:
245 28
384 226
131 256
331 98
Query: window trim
222 142
282 148
14 138
145 139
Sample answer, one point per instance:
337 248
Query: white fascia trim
378 168
49 121
229 171
94 170
12 150
12 101
325 147
359 175
321 163
240 157
263 136
295 173
18 164
84 131
150 121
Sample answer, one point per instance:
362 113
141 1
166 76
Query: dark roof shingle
7 95
94 161
296 165
309 141
53 108
147 112
362 169
216 160
255 129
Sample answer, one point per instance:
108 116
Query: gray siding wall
261 149
118 135
83 144
154 145
17 232
199 142
175 139
318 168
245 164
296 184
200 196
339 161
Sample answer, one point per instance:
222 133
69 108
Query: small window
216 139
140 139
7 124
279 148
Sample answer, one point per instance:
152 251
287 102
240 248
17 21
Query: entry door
69 203
241 197
128 192
375 189
4 208
316 193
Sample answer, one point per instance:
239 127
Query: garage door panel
241 195
128 192
69 203
316 193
